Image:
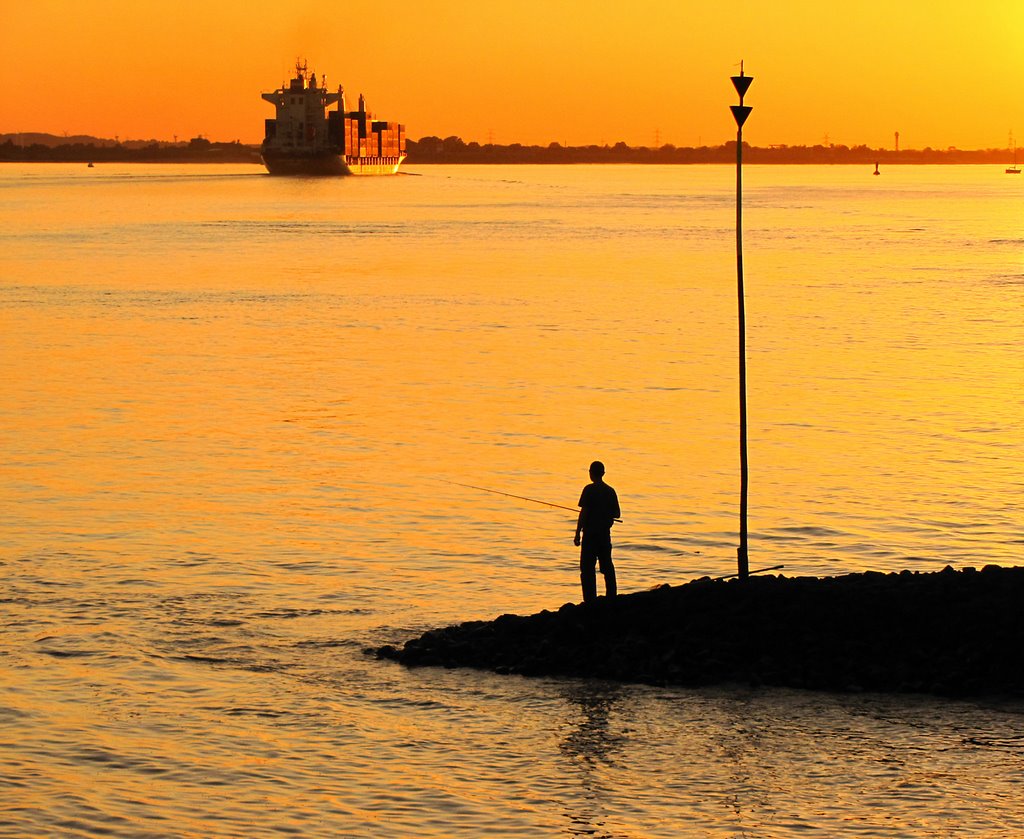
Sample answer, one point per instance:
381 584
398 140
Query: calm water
230 406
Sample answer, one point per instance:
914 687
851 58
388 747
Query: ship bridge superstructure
300 121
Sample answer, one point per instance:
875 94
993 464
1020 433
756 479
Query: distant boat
876 172
1014 169
90 166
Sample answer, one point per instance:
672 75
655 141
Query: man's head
596 470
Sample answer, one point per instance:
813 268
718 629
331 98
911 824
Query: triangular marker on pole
740 112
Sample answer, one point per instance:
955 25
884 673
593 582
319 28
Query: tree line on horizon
93 149
430 149
455 150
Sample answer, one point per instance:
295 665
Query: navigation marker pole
740 113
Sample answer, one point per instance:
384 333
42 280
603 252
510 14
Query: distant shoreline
100 151
453 150
45 148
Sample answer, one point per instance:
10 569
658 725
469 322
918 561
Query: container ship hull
305 138
328 163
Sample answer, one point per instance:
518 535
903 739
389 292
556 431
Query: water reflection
740 748
589 747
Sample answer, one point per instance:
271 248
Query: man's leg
588 579
608 570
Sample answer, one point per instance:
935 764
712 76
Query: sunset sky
941 72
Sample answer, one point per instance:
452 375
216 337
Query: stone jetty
952 633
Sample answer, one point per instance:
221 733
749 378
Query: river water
236 412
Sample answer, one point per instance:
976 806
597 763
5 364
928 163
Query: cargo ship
305 138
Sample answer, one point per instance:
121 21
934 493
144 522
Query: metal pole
741 112
741 553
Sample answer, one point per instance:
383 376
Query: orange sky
533 71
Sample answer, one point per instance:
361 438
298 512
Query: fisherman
599 509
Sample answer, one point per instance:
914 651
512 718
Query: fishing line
511 495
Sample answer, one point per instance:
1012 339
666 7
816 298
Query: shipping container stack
367 137
336 129
390 137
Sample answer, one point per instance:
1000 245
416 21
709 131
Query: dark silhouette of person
599 509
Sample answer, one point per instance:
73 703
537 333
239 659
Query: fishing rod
510 495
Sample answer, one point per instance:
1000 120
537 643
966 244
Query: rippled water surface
232 406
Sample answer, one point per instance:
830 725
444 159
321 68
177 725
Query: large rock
950 633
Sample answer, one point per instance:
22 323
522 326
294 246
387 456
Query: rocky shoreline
951 633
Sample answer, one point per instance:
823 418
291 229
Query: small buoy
90 165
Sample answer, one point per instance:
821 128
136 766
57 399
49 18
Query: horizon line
6 136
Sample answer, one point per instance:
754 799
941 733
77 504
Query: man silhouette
599 508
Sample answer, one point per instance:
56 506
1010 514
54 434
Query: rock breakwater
954 632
